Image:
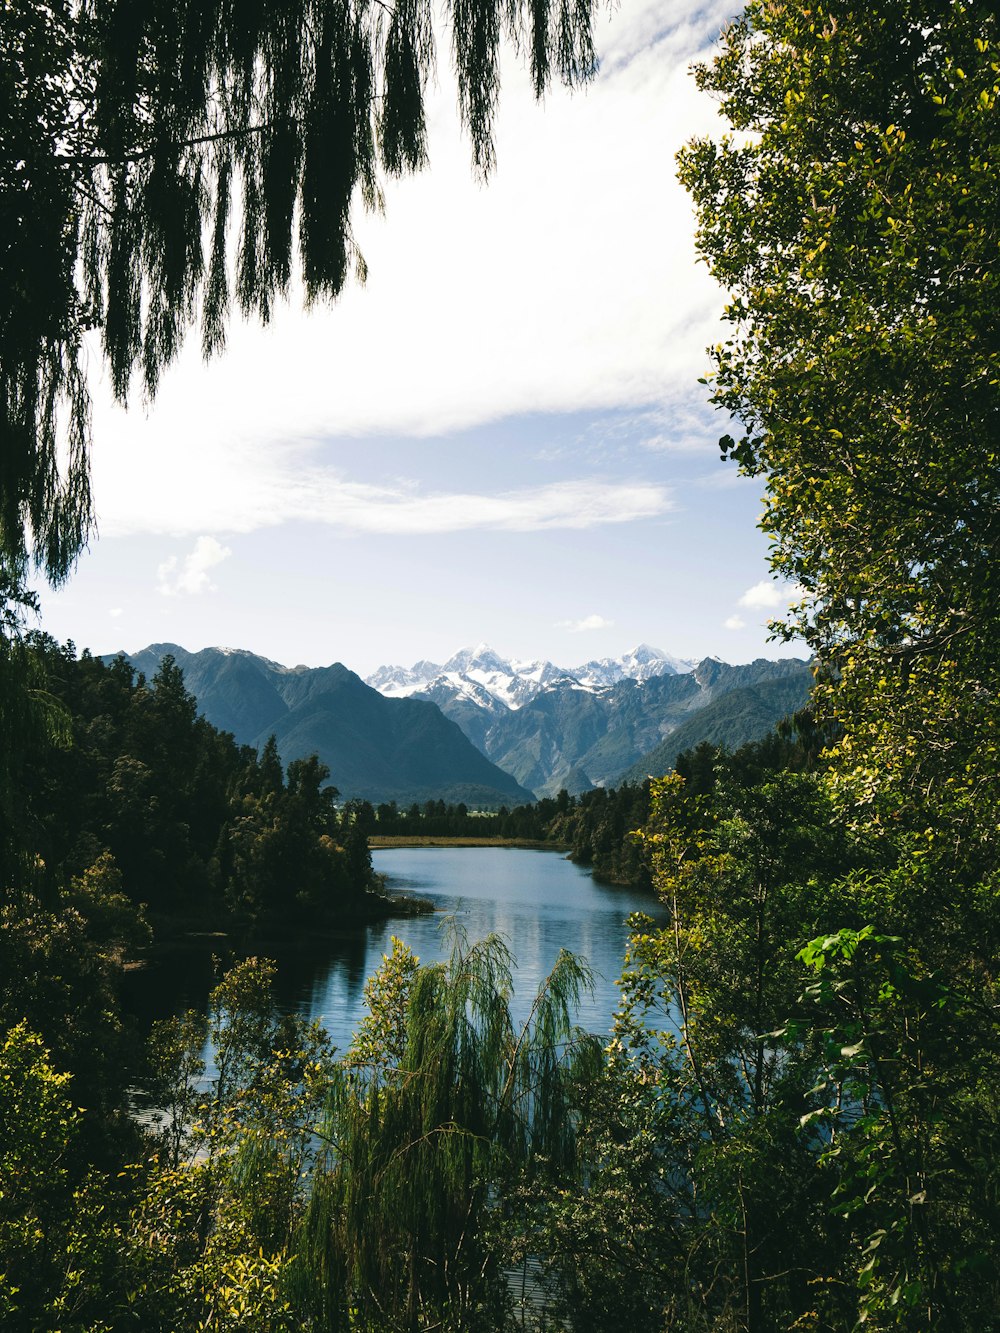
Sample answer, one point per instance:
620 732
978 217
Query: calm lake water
538 901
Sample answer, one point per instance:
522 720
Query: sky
500 437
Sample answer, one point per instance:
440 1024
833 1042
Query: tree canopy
853 218
160 162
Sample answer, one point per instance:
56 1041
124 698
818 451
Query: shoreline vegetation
184 935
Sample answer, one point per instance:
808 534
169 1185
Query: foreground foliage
291 1189
852 218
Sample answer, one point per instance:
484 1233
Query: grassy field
403 841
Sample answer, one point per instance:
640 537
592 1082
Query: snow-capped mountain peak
482 658
511 683
641 663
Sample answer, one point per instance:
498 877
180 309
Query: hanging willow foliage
160 161
398 1227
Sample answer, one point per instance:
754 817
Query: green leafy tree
208 1239
61 963
899 1126
59 1247
176 1070
440 1107
852 218
747 873
37 1123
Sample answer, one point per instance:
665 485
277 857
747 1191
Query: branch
141 154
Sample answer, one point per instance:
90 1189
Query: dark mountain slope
384 749
573 737
236 690
744 714
376 748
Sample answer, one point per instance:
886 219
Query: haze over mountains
482 728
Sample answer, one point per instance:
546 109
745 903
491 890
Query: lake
538 901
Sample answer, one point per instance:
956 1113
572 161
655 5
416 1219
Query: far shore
379 842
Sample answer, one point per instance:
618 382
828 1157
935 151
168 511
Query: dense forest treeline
602 828
193 827
594 827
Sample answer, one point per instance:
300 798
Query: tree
748 872
852 217
61 966
898 1122
37 1124
160 161
853 220
441 1106
271 773
208 1241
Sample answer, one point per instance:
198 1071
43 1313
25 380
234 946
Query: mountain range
606 721
485 729
479 674
380 749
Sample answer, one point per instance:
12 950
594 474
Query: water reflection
538 901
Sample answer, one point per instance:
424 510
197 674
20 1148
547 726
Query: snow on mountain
397 681
642 663
480 659
480 675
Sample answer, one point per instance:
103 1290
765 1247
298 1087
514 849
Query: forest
198 830
794 1124
601 829
594 828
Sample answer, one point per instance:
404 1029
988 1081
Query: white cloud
115 612
569 504
768 595
587 623
734 622
568 283
242 487
191 575
689 425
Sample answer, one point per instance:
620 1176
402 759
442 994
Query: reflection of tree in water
308 979
305 978
170 984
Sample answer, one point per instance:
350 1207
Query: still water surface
538 901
